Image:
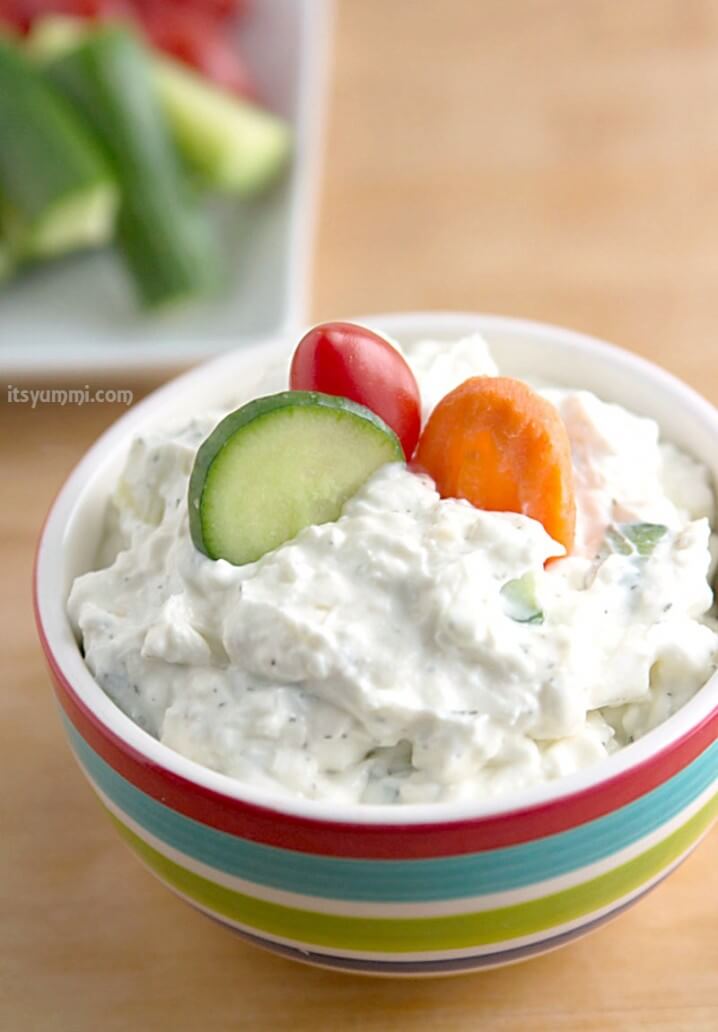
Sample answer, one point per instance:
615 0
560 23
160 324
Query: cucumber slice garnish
279 464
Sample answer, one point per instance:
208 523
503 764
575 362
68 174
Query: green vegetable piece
617 542
53 35
279 464
632 538
233 144
644 536
165 239
6 263
58 192
520 600
7 258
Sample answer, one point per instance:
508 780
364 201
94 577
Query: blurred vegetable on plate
163 237
94 121
193 31
234 145
58 192
77 314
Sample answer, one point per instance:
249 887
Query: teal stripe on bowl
411 881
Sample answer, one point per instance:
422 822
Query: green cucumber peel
635 538
234 145
58 190
279 464
162 233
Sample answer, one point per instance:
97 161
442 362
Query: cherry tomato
219 9
194 36
22 13
353 362
193 31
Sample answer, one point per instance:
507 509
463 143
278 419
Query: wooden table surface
545 158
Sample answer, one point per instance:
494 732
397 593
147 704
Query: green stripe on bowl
414 881
402 935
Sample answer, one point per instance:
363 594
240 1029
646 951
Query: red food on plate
22 13
219 9
193 34
196 32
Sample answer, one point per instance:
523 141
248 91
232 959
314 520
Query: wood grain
538 157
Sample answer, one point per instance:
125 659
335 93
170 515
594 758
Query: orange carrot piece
503 447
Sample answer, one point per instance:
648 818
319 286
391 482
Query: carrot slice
498 444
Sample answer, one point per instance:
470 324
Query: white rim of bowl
52 617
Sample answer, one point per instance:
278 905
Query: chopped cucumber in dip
520 602
279 464
635 538
644 536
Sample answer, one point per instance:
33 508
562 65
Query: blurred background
541 158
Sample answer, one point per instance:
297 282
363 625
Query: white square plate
80 316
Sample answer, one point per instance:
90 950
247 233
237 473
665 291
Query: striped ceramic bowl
418 889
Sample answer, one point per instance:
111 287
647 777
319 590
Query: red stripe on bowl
372 841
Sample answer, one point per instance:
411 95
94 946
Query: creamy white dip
381 658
